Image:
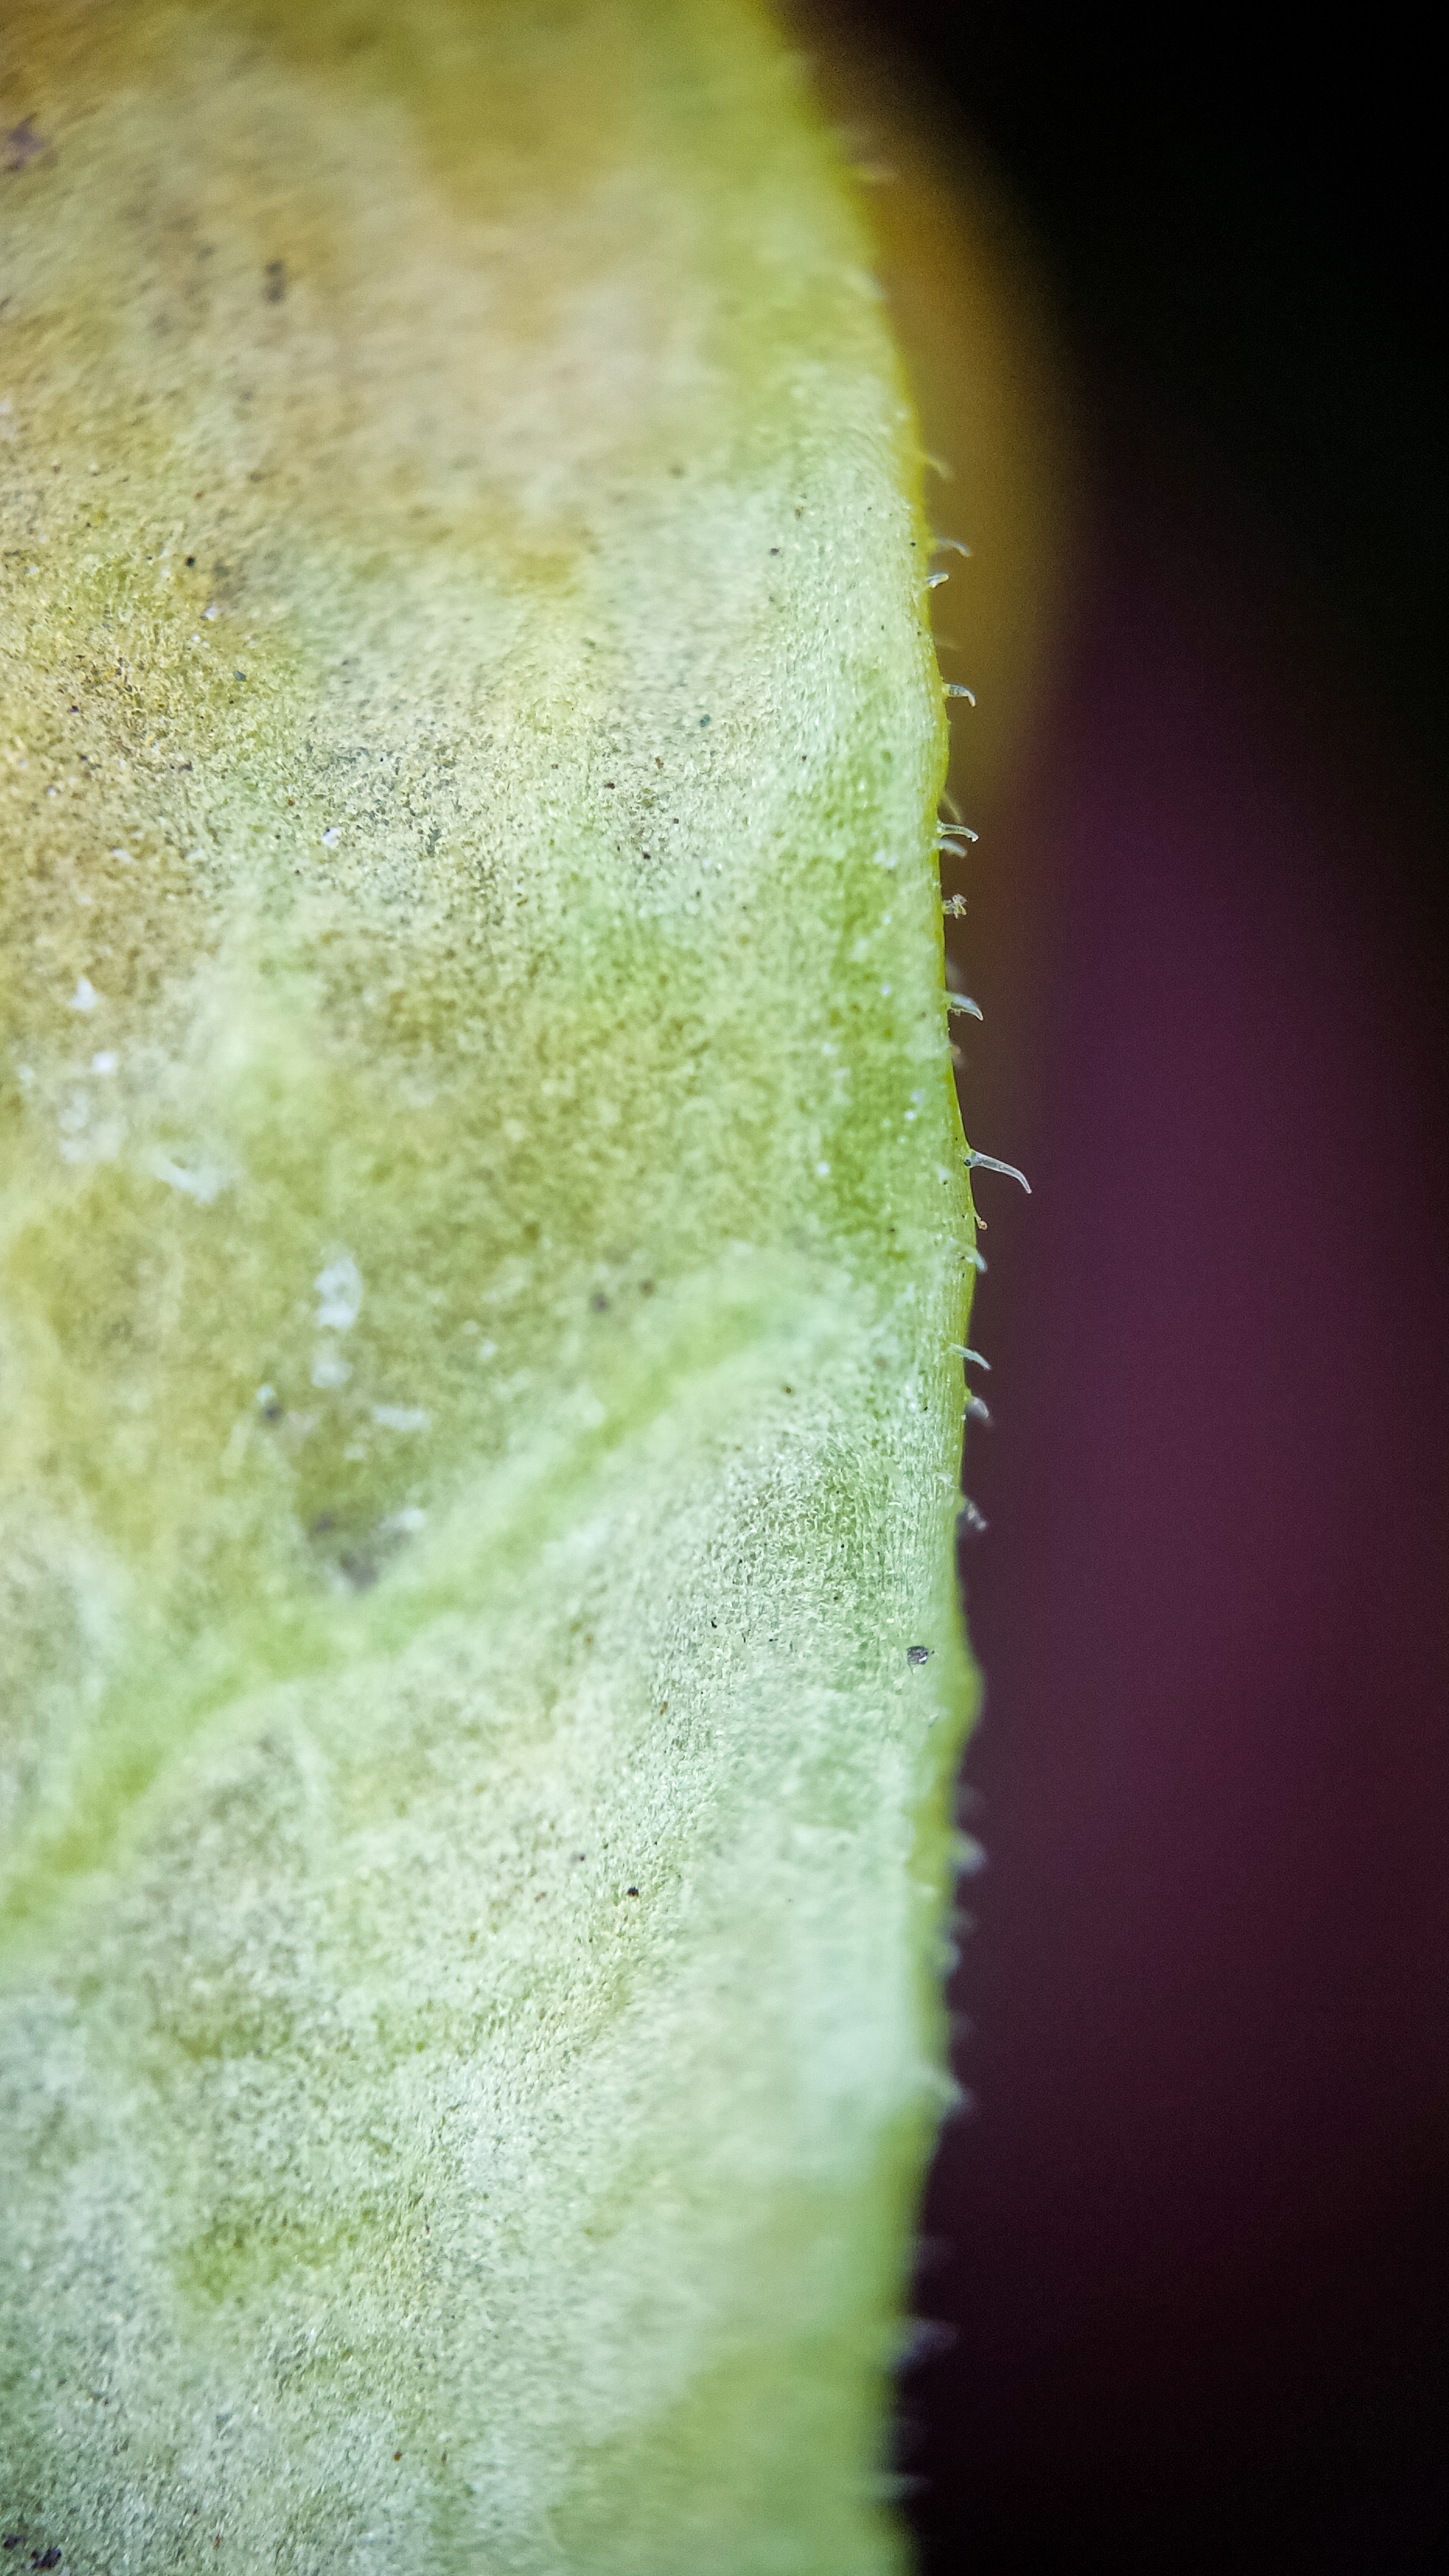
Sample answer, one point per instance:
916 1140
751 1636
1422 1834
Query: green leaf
482 1231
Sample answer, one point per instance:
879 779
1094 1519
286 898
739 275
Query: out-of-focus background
1169 301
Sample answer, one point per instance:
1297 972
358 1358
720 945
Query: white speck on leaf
202 1181
339 1294
401 1417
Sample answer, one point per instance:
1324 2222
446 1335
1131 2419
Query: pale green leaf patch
483 1229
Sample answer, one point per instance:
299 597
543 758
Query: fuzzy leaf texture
483 1225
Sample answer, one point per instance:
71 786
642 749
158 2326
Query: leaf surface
482 1228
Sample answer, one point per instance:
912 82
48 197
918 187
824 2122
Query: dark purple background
1196 2223
1194 2236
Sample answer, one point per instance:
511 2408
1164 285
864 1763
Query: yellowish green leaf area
482 1231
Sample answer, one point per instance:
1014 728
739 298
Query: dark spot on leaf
599 1302
276 285
917 1654
631 1891
22 146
